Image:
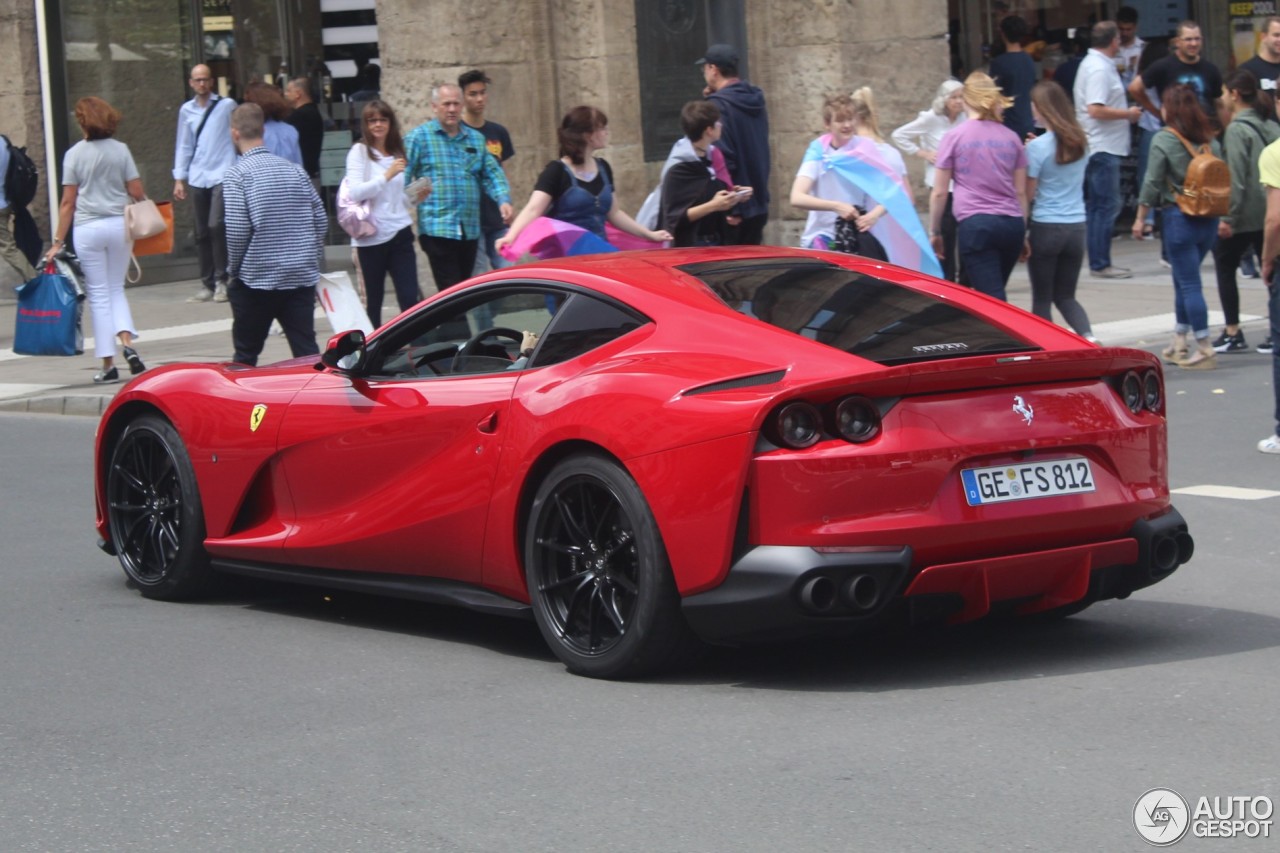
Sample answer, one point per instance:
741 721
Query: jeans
396 257
451 260
1189 239
103 249
1227 253
989 247
487 256
252 311
1102 206
1057 252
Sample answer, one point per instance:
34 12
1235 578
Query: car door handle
488 424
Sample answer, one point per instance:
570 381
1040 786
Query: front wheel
154 512
599 580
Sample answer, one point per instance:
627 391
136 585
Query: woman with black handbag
99 178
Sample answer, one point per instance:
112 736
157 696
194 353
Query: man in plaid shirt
454 157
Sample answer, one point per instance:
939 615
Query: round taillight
857 419
1131 391
1152 391
796 425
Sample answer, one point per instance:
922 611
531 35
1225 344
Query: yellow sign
255 417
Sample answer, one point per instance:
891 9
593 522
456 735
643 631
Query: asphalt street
276 719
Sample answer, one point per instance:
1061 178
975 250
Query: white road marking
167 333
1154 327
1234 493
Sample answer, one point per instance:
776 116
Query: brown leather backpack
1206 188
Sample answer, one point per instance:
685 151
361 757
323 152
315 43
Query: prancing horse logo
1020 406
255 417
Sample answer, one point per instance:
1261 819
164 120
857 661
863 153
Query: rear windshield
859 314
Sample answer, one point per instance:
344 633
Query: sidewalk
1129 312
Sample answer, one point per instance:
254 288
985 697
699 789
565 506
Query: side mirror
344 351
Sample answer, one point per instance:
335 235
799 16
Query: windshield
859 314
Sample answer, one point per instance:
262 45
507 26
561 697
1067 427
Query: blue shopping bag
49 312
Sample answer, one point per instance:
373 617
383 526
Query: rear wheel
598 575
154 512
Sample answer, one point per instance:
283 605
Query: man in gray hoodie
744 140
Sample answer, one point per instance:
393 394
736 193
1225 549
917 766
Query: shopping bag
341 303
49 316
162 242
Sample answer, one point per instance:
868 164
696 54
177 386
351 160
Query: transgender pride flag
859 164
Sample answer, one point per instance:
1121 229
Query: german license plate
1027 480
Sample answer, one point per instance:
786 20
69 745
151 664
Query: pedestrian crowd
1016 168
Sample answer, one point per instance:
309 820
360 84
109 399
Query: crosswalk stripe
1236 493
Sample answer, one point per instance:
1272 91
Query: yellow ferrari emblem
255 417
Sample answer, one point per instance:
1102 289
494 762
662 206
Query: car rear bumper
776 591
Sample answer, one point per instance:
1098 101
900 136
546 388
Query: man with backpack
16 192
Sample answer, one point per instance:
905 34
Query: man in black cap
744 139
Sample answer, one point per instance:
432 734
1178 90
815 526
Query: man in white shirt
202 154
1105 115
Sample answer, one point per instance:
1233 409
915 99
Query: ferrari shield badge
255 417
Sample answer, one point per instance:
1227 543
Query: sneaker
1230 343
204 294
1166 264
106 377
1270 444
1093 340
220 294
1248 269
1112 272
135 362
1266 347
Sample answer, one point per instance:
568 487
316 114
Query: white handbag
142 219
341 303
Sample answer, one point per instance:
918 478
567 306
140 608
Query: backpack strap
1177 190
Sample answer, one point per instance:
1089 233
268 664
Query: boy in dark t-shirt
475 97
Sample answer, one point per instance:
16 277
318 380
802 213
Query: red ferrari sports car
712 445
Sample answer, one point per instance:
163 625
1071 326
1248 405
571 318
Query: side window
581 325
474 335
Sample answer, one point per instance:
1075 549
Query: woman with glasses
375 173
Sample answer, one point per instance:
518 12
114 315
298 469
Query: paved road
288 719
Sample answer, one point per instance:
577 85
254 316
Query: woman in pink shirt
988 164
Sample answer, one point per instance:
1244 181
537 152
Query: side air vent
741 382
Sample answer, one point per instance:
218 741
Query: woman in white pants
98 179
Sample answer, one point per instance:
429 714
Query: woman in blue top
579 189
1055 183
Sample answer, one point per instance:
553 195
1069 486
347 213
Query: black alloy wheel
154 512
598 575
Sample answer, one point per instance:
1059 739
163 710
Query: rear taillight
857 419
796 425
799 424
1141 391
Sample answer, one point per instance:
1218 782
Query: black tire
154 512
601 586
